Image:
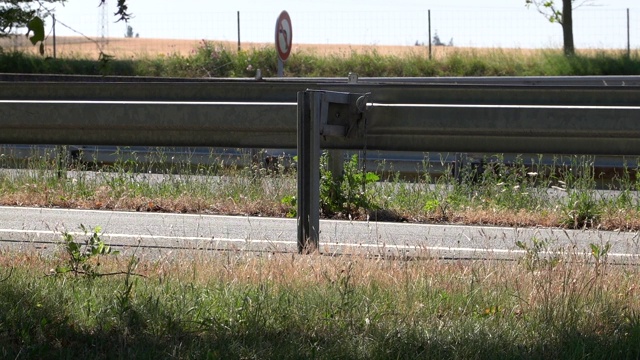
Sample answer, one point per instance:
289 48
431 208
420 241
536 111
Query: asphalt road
163 233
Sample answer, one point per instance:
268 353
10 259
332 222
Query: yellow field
121 48
78 47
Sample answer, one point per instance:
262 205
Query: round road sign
283 35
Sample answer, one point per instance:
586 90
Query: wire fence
168 33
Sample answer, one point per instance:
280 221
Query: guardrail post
325 114
309 170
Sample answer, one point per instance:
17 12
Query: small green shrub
81 256
347 193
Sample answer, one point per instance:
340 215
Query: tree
24 13
16 14
436 40
564 17
129 33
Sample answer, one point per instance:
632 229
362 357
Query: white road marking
332 244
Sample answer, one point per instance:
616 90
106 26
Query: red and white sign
283 35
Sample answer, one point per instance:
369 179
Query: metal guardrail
404 116
579 116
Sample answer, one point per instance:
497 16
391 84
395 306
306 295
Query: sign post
284 36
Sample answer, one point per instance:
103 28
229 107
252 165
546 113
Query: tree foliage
17 14
548 9
123 10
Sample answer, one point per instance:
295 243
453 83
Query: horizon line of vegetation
211 59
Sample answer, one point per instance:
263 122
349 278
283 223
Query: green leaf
73 247
289 200
62 269
371 177
431 205
37 26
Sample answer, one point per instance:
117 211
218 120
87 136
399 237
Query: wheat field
128 48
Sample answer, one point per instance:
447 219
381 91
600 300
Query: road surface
159 233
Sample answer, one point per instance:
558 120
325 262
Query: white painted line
334 244
369 224
488 106
143 213
117 102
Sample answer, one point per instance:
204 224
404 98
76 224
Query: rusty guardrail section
595 115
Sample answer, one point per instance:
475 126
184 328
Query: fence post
54 35
239 30
429 24
628 36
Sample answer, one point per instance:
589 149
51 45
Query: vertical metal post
628 36
335 164
54 36
329 114
239 48
429 24
309 114
280 67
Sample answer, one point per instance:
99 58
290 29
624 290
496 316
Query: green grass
214 60
153 182
234 305
567 192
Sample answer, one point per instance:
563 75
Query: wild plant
346 193
82 258
213 59
581 208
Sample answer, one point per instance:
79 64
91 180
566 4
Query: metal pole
628 36
61 150
335 163
239 31
429 24
280 67
309 113
54 36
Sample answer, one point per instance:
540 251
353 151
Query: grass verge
210 59
568 192
235 305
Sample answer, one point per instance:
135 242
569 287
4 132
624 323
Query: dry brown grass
78 47
571 274
104 199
